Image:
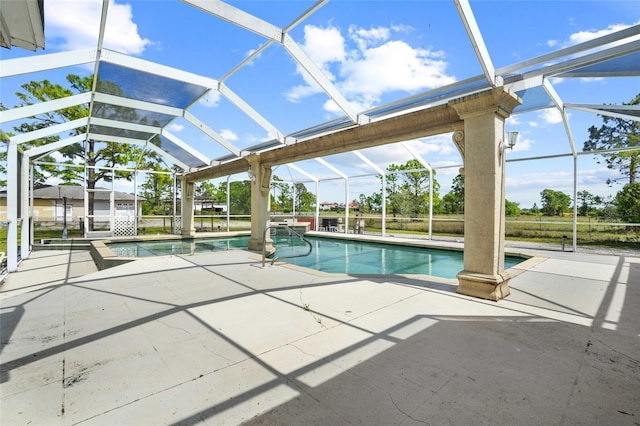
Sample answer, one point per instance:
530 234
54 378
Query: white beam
253 114
211 133
168 156
262 48
369 162
45 149
586 60
186 147
238 17
19 66
321 79
99 137
606 110
524 84
475 36
417 156
43 107
157 69
123 125
48 131
571 51
136 104
331 167
548 87
302 172
271 32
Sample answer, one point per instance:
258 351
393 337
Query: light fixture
251 175
512 137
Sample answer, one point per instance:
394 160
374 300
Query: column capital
499 101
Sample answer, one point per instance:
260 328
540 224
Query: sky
374 52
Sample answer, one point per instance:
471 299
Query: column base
255 244
484 286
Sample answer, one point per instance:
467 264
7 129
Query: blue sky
374 52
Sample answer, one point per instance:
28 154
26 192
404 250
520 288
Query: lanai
476 107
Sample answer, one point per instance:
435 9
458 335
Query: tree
628 202
511 208
408 188
554 202
616 133
587 202
99 158
370 203
239 197
156 190
305 200
453 201
282 199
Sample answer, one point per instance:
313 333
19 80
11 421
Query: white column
484 217
260 188
186 208
12 206
25 247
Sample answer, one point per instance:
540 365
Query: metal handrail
290 230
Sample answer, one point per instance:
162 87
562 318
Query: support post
12 206
484 215
260 186
25 229
187 207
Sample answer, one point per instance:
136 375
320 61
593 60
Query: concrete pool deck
217 339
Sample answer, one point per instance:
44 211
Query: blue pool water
178 246
328 255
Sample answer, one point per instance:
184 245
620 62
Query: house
49 203
325 206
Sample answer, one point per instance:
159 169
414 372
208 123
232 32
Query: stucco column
187 207
484 218
260 218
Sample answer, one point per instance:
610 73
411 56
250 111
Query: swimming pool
150 248
328 254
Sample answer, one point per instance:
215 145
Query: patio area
217 339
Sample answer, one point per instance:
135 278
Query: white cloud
211 99
73 24
523 144
176 127
376 65
365 38
229 135
583 36
324 45
550 116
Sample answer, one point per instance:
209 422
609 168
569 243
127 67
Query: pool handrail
290 230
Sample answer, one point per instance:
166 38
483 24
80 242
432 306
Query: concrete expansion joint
407 415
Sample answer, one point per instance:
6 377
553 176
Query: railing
291 231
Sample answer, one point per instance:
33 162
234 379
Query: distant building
49 204
325 205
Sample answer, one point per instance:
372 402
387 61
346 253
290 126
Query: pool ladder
291 231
